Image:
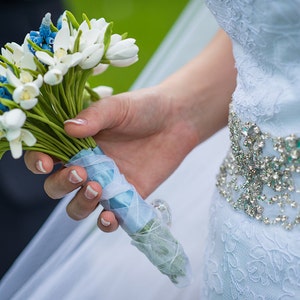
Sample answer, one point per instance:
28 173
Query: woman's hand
143 131
147 132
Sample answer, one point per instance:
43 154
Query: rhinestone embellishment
261 174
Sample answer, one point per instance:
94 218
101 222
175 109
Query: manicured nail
90 193
40 167
104 222
74 177
76 121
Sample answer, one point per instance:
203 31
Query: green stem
59 131
49 141
40 148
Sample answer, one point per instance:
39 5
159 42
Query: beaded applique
261 174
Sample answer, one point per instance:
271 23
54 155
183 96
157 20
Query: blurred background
23 204
146 21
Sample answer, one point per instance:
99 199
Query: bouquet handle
139 219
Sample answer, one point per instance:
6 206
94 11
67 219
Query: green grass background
146 21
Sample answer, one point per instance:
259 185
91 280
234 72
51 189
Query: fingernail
40 167
76 121
90 193
104 222
74 177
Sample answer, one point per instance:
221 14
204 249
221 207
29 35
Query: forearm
201 90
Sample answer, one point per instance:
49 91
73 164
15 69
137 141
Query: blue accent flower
59 22
4 93
44 38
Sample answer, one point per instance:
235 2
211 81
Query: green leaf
4 147
85 18
10 64
53 28
9 103
39 65
9 87
93 95
107 36
77 42
72 19
38 48
124 35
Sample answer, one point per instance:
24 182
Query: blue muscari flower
44 38
4 93
45 30
59 23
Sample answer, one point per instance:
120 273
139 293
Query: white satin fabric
71 260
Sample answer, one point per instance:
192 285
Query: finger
38 162
85 201
100 115
107 221
64 181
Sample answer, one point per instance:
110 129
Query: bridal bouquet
43 83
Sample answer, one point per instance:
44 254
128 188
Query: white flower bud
53 77
103 91
122 53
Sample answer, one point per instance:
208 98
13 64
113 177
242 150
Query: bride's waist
261 174
276 112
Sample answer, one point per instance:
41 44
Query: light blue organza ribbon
118 196
137 217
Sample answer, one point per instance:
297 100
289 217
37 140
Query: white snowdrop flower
26 89
19 56
26 95
16 144
103 91
61 59
100 68
91 56
11 123
91 42
122 53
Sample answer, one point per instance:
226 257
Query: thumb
103 114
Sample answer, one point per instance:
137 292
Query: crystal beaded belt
261 174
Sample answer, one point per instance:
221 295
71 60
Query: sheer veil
74 260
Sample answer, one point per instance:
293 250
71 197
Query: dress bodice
261 174
253 250
266 45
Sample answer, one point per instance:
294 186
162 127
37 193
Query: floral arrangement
43 83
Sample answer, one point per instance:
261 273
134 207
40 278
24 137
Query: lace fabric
266 45
247 259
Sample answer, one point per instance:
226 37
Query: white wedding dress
254 239
69 260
